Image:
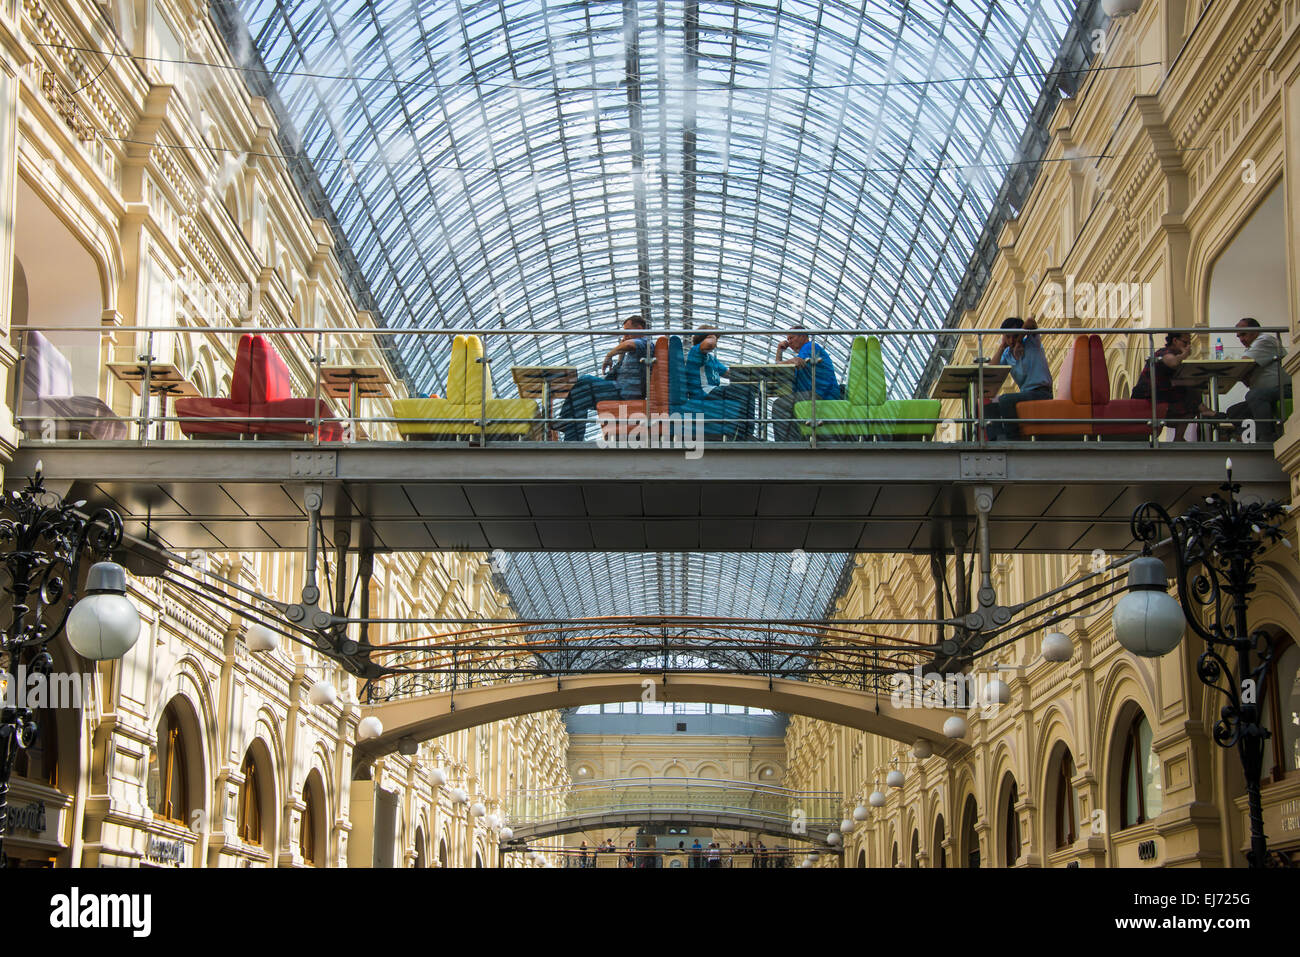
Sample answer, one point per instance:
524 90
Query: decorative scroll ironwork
1216 545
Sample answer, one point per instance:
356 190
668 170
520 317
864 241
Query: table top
164 377
347 374
1201 371
955 380
530 379
366 389
779 376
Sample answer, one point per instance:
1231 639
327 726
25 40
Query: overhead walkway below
870 497
420 717
632 802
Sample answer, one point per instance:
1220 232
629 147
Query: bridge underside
905 497
414 719
525 833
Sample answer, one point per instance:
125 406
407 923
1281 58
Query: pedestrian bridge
537 814
571 497
407 720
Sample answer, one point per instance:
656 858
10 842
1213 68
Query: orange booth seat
613 413
1083 395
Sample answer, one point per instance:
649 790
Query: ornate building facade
1171 171
146 187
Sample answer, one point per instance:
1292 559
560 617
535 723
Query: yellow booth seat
462 410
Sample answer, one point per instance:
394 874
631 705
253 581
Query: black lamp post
43 542
1215 546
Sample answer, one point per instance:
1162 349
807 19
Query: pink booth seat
259 393
48 397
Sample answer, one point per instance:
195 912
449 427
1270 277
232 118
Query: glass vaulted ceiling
564 164
547 165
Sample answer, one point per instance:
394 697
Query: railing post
145 385
1155 409
482 409
317 360
980 436
812 360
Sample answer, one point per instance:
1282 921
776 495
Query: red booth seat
1083 393
259 393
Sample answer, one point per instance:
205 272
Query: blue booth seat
733 408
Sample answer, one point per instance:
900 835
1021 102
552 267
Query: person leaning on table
624 377
1263 381
1023 352
1184 401
805 359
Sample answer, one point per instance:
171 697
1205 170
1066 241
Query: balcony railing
146 385
592 799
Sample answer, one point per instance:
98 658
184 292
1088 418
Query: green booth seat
865 400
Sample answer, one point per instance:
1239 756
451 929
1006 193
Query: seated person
806 357
623 379
1184 401
1031 372
704 375
1263 381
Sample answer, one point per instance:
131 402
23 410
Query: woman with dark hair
704 375
1184 401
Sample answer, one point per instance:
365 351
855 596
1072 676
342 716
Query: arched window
1141 797
1282 710
862 859
938 855
478 860
168 781
893 861
1010 824
969 835
39 761
1067 802
916 848
250 802
419 848
309 842
442 852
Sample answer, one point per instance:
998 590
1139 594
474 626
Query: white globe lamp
103 625
1057 647
261 639
323 693
955 727
1148 621
369 728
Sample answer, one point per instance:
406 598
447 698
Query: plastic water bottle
1218 348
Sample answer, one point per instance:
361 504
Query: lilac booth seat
48 394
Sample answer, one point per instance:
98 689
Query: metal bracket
314 465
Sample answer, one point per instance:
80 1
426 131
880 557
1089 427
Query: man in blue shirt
1029 369
624 377
813 366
